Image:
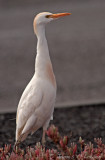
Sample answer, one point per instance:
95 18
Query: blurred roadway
76 44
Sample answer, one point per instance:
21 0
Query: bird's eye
47 16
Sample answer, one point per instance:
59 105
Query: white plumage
36 106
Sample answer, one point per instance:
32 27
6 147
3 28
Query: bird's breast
50 75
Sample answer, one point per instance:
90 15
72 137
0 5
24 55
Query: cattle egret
36 106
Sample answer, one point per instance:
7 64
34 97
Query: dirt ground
87 121
76 44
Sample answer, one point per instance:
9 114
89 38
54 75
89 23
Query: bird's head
43 18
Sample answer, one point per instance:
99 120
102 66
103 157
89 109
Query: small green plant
63 151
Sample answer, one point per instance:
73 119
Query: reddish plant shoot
63 151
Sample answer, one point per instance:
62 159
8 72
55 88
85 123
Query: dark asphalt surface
76 44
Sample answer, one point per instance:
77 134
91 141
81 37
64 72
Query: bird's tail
19 136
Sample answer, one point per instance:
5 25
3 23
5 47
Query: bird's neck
43 66
42 46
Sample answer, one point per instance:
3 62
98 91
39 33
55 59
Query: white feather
36 105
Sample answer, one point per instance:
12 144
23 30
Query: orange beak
58 15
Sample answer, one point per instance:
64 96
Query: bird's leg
43 138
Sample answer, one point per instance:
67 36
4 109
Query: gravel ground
85 121
76 43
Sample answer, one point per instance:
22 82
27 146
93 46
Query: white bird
36 106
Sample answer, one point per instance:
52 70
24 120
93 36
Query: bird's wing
28 104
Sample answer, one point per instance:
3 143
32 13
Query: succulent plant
63 152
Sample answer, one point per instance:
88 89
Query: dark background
76 44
